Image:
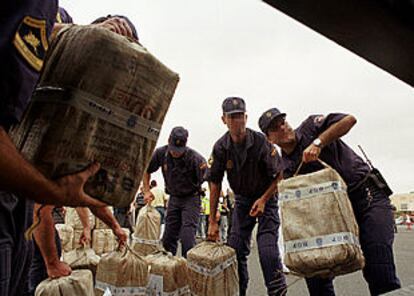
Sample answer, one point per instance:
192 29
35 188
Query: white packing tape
310 191
322 241
212 271
121 291
145 241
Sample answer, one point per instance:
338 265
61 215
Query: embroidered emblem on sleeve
31 42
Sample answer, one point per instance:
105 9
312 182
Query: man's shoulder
161 150
221 143
196 155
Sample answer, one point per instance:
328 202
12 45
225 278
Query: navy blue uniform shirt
25 27
183 176
250 167
338 155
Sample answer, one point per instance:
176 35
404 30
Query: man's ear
223 118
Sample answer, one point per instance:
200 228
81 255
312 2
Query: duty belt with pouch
374 177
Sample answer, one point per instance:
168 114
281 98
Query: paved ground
348 285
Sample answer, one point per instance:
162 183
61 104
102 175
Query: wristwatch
317 142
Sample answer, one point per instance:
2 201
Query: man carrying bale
24 29
253 169
319 137
47 248
183 170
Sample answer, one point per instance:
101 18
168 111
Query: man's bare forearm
44 234
146 182
214 199
272 188
18 176
337 130
106 216
83 214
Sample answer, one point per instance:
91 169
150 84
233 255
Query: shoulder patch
318 119
229 164
274 152
31 42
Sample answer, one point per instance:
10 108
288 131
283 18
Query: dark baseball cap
268 116
233 105
178 139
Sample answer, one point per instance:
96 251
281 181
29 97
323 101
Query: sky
246 48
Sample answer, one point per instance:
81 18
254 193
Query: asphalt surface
346 285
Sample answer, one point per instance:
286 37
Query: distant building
403 202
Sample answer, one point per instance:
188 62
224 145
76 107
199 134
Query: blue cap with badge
177 141
233 105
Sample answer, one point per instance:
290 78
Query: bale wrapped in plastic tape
319 226
72 219
99 224
123 272
104 240
66 236
101 97
82 258
145 239
168 275
76 244
212 270
79 283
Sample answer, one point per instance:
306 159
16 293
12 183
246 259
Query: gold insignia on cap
319 119
274 152
210 161
177 142
229 164
269 114
235 102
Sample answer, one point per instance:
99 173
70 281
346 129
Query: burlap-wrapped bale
104 240
99 224
212 270
82 258
319 226
72 218
76 244
100 97
66 236
122 272
79 283
168 274
145 239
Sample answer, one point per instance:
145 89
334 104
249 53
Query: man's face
280 132
236 123
175 154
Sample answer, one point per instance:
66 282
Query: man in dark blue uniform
25 27
319 137
252 165
183 170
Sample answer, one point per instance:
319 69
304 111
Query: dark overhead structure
380 31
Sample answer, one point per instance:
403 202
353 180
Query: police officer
253 168
320 137
183 170
47 246
24 29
